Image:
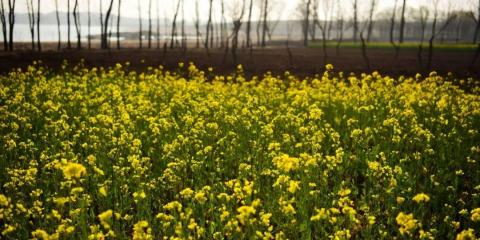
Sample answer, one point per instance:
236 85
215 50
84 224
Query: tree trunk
89 26
31 21
105 44
237 24
158 25
249 24
402 22
264 28
477 28
340 29
370 20
212 34
313 27
150 24
39 44
364 52
101 23
324 45
69 43
223 27
140 40
184 36
259 43
3 21
76 20
306 24
430 43
11 20
422 39
355 21
392 28
118 22
209 22
448 21
197 24
59 44
174 25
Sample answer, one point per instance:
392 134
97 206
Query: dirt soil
303 62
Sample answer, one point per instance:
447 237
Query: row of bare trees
361 24
7 20
7 23
213 32
315 15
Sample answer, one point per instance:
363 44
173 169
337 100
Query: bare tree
402 22
392 29
150 24
363 40
59 44
197 23
105 38
476 19
31 21
373 5
316 18
158 25
119 7
449 18
327 9
3 21
174 24
184 36
11 21
289 52
39 44
89 26
265 19
340 26
305 11
69 43
355 20
273 25
101 22
223 24
237 16
209 23
249 24
76 20
140 40
259 43
423 14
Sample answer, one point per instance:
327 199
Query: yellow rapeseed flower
407 223
74 170
40 234
468 234
286 163
141 231
421 197
105 218
244 213
476 215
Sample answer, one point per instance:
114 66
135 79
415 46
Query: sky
283 9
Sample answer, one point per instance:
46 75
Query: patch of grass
403 46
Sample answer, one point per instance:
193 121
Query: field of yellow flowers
91 153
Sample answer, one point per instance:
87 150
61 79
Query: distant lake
49 33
